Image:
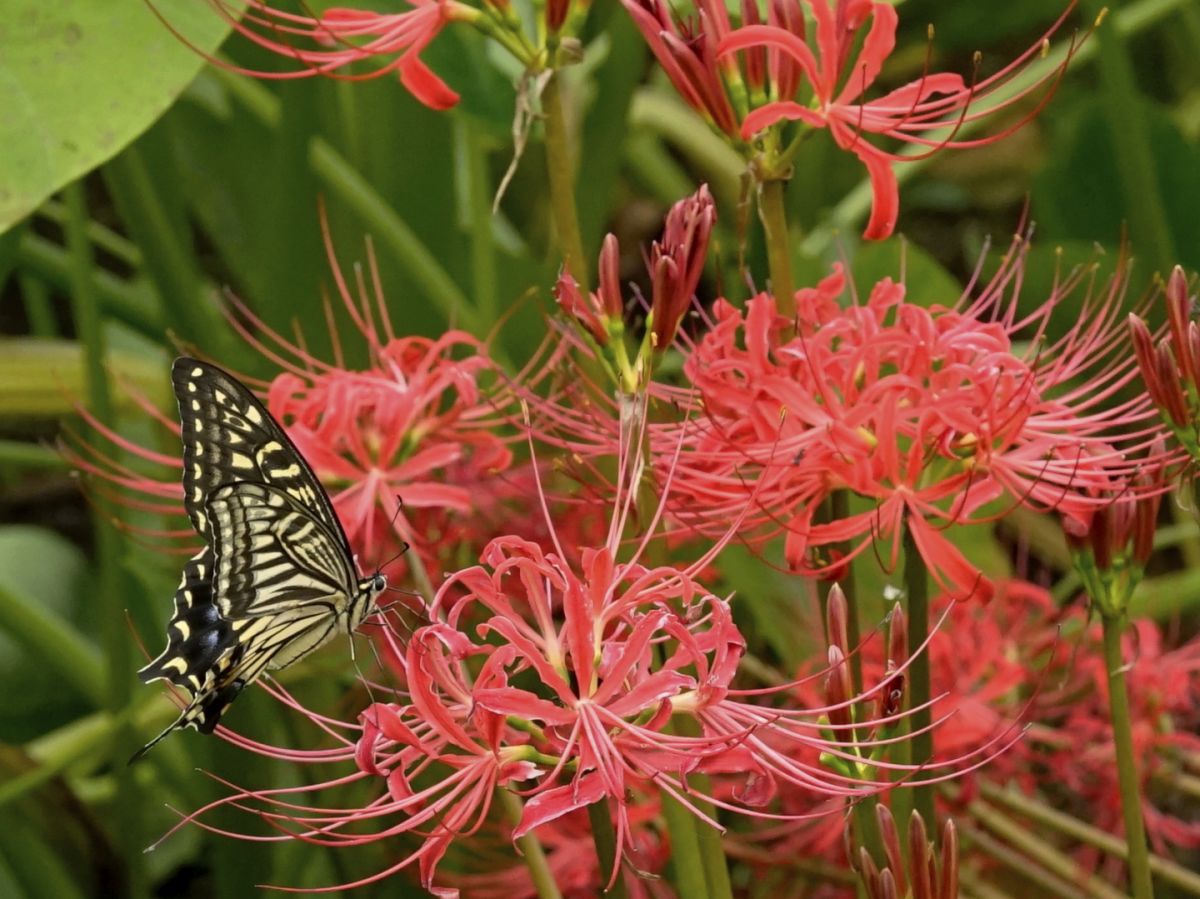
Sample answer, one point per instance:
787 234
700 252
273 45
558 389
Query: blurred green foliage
193 180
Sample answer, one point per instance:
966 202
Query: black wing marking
228 436
259 644
273 557
197 635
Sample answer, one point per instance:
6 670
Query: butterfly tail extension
203 713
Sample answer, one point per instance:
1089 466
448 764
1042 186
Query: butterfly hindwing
273 557
197 635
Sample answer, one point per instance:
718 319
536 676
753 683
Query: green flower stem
916 587
712 852
531 849
561 171
686 860
1033 846
1028 807
114 640
779 250
123 301
1127 776
479 199
604 836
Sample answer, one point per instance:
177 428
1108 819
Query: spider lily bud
556 14
837 620
571 301
930 874
676 263
1171 370
838 688
1111 548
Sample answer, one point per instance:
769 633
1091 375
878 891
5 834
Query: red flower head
930 414
605 681
690 51
837 80
331 43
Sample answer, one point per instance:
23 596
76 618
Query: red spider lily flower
930 414
331 43
689 51
404 447
567 683
676 263
911 114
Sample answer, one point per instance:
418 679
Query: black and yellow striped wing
276 579
229 436
273 557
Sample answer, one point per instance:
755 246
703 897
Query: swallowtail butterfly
277 577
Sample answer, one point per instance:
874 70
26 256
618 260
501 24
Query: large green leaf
80 80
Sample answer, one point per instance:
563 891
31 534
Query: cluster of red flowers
571 665
928 413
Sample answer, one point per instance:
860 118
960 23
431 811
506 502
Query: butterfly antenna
405 545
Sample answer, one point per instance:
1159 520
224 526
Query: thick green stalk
916 586
39 311
115 642
479 200
779 251
685 849
531 849
604 836
712 852
708 839
1140 883
561 171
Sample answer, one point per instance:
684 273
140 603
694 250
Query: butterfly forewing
229 436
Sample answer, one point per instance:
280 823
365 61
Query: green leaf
41 578
83 78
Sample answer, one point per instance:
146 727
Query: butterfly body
277 577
